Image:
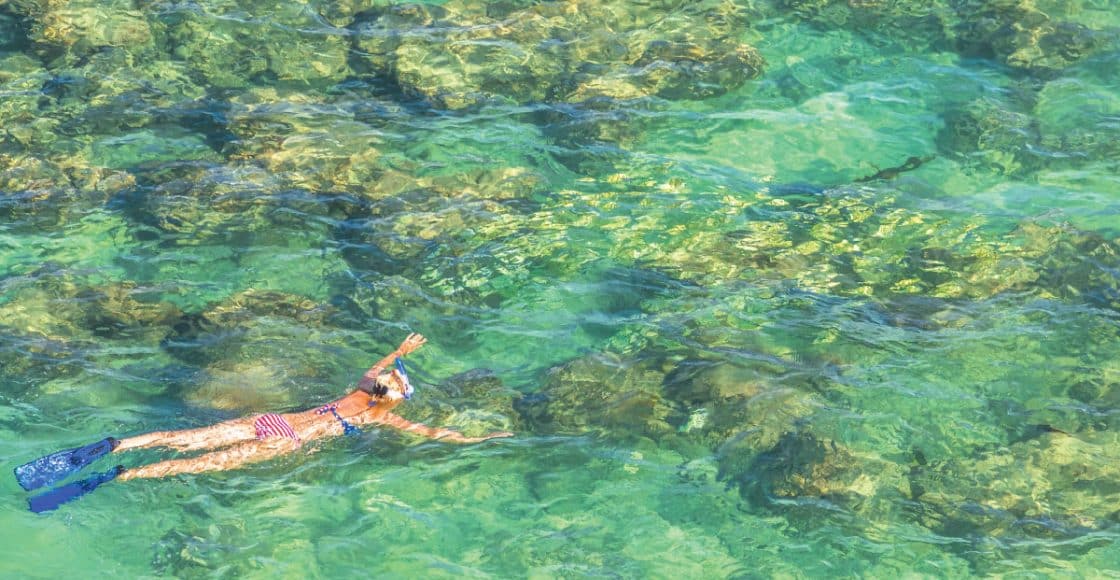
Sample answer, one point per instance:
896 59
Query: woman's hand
411 344
484 437
457 437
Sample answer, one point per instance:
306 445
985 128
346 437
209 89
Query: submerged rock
397 298
474 402
73 137
738 411
1021 35
1075 265
21 78
1002 501
71 30
37 193
458 55
602 394
56 320
1099 391
115 311
75 112
226 49
803 470
254 349
594 132
65 303
199 202
31 358
984 132
306 140
458 237
675 70
857 241
239 328
248 386
916 25
13 35
1077 122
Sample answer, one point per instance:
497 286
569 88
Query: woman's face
397 387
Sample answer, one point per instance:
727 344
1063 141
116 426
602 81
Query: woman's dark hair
376 389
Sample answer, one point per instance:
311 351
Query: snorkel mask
403 374
382 388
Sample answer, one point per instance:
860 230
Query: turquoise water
766 289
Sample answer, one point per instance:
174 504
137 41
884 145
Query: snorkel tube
404 378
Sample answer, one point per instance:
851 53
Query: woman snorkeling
234 443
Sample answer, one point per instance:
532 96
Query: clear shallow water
671 246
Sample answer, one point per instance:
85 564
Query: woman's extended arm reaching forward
410 344
403 424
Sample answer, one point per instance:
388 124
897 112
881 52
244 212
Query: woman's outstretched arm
410 344
433 432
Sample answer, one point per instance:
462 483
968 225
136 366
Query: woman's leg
212 437
236 456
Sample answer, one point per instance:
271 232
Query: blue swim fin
50 500
58 466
